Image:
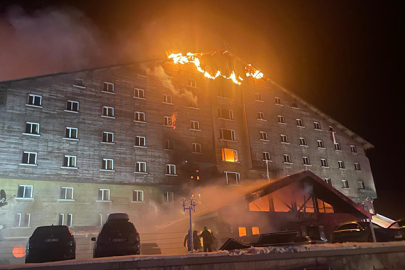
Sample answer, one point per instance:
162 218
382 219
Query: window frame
33 101
168 196
266 156
303 141
166 97
169 145
24 192
328 180
264 136
195 125
107 133
337 146
29 157
287 159
324 163
317 125
341 165
66 193
70 133
31 129
353 149
277 101
284 139
20 220
137 91
137 115
71 102
102 198
139 138
281 119
230 115
69 220
108 109
66 162
105 162
237 177
140 167
171 170
345 184
357 166
260 116
234 154
196 146
233 135
108 84
192 83
260 97
300 123
321 144
361 185
138 191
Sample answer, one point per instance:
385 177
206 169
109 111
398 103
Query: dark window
169 144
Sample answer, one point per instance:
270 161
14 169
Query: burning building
135 138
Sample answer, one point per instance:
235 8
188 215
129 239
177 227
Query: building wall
199 101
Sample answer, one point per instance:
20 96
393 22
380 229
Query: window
284 138
24 191
361 185
225 114
140 117
139 93
232 178
328 181
294 104
108 137
337 147
169 145
255 231
225 92
108 111
72 106
29 158
167 99
353 149
140 141
320 144
317 125
303 141
69 221
228 134
229 155
192 82
168 196
103 194
108 164
108 87
324 162
137 196
194 125
287 158
71 133
345 184
66 193
169 121
35 100
300 123
242 231
22 220
32 128
79 83
263 136
196 148
260 116
266 156
258 97
281 119
306 161
277 101
69 161
171 169
140 167
61 219
341 164
357 166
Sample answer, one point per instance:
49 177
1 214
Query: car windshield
50 232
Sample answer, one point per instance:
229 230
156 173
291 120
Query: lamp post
267 167
367 205
190 206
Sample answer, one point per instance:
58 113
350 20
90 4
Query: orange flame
178 58
173 123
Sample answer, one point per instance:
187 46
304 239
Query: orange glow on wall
255 230
242 231
19 251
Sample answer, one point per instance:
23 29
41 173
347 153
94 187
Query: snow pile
263 250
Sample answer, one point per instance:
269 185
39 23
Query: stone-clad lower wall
365 258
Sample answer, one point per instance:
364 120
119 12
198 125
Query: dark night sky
345 57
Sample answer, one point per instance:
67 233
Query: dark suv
51 243
118 237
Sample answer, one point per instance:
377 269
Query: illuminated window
266 156
353 149
357 166
108 137
225 114
232 178
337 147
258 97
277 101
284 138
255 230
287 158
320 144
317 126
324 162
361 185
260 116
345 184
167 99
228 134
281 119
108 87
139 117
169 121
300 123
139 93
263 136
303 141
242 231
341 164
108 111
229 155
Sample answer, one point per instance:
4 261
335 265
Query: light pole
267 167
190 206
367 205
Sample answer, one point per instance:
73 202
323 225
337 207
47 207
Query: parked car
400 223
150 249
51 243
118 237
361 232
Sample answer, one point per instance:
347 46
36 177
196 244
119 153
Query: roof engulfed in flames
223 64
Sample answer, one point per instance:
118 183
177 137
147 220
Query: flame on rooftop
219 64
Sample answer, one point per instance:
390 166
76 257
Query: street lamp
267 167
190 206
368 205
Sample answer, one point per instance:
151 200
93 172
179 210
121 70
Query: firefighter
207 239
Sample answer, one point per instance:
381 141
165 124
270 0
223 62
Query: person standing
207 239
187 240
196 241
